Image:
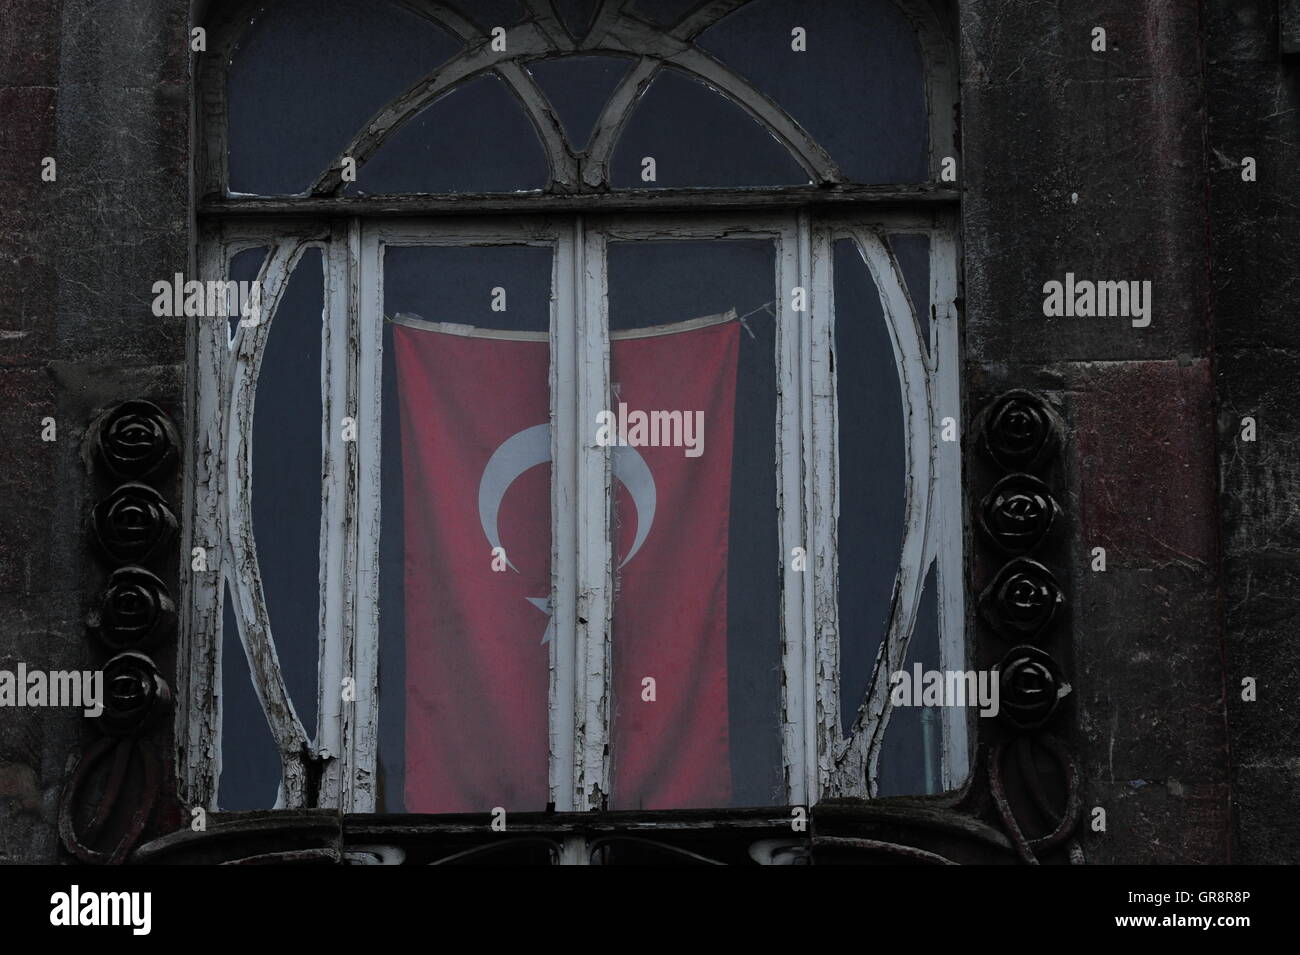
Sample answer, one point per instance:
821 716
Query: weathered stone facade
1119 165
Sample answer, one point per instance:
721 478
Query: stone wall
1115 165
1253 95
104 89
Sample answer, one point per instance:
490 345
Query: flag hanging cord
765 307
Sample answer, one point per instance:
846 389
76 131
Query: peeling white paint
816 760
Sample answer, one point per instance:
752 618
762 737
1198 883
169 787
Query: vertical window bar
791 271
946 355
808 676
824 506
594 575
334 461
564 695
359 636
199 712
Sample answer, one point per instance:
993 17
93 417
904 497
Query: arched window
585 442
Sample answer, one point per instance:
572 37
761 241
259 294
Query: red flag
476 667
670 613
476 451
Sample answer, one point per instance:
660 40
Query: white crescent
528 448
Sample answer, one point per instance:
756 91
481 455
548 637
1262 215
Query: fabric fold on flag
476 444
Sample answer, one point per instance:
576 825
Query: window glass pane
459 284
303 82
910 759
862 62
872 473
576 15
464 654
697 600
287 480
490 13
578 88
244 266
698 137
913 255
250 765
666 12
476 138
250 771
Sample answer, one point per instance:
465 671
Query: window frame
540 35
817 760
335 765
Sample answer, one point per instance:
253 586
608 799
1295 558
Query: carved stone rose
1023 602
1030 687
135 694
134 612
1019 431
136 439
134 524
1018 514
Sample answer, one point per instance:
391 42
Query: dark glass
576 15
858 89
911 757
287 485
700 594
872 473
454 284
490 13
579 87
306 78
698 137
244 267
913 255
250 772
475 138
665 12
250 763
286 522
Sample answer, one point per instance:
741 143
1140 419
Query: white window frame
341 751
817 760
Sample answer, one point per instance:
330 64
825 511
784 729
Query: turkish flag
670 610
476 476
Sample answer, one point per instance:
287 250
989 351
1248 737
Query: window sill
890 831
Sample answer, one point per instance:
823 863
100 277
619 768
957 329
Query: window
448 567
